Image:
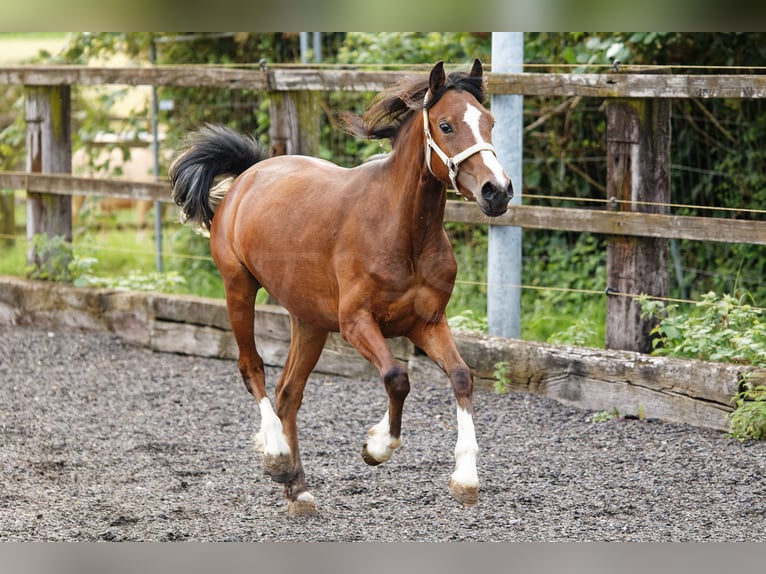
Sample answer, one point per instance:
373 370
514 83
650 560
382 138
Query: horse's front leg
364 335
437 341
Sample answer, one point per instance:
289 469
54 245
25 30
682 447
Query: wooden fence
638 146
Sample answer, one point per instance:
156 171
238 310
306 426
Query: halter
452 163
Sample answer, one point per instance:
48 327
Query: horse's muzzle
494 199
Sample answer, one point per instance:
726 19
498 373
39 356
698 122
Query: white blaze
471 117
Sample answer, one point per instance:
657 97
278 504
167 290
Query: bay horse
360 251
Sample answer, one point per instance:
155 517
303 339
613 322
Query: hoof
279 468
468 495
368 458
304 505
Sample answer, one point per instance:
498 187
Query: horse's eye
445 127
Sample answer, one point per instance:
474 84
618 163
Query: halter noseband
452 163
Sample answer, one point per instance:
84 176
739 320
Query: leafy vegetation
502 374
614 414
53 259
467 320
604 416
59 260
566 304
718 328
748 420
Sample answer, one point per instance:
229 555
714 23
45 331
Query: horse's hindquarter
311 232
277 221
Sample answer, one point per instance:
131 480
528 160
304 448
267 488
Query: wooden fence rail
606 85
636 223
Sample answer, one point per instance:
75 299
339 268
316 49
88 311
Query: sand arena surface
101 440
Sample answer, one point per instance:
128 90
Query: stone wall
693 392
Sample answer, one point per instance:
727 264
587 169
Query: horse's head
458 129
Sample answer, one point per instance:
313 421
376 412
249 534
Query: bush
719 328
59 261
748 420
53 258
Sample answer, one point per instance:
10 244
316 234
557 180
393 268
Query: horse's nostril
491 192
488 191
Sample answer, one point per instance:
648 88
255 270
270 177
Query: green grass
584 324
13 257
117 251
121 249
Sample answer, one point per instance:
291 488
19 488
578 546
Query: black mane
393 108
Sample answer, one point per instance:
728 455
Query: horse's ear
476 69
437 78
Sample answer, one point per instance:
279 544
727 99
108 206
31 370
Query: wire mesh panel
718 156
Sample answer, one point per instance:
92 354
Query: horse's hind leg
241 288
437 341
306 344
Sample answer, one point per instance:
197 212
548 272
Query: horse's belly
304 291
317 311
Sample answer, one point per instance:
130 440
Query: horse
361 251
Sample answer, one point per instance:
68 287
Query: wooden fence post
294 128
638 171
49 150
294 123
7 218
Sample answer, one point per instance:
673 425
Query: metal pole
304 43
317 37
156 146
504 268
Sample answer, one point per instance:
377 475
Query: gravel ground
102 440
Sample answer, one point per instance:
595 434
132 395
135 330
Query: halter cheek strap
452 163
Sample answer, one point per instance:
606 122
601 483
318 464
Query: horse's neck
420 199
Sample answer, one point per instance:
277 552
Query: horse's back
289 174
309 191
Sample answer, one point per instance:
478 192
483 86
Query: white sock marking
306 496
466 451
471 117
380 443
270 439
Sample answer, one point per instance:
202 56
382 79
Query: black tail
211 152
